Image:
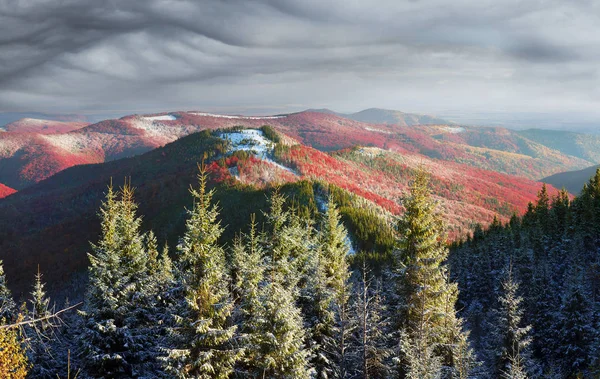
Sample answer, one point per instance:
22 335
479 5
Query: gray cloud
426 55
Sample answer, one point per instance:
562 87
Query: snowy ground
254 141
377 130
454 130
236 117
165 117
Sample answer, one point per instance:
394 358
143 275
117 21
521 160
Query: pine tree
419 359
39 302
576 331
510 337
279 341
119 317
426 312
204 342
8 308
331 328
248 267
39 334
276 336
370 338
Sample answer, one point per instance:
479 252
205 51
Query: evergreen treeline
281 302
286 299
529 290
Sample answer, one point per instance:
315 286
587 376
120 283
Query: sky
459 57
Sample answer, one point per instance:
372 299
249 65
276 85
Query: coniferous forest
288 298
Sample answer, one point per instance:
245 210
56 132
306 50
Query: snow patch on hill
73 143
236 117
377 130
162 132
9 146
254 141
455 129
165 117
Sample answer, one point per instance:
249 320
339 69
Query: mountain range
62 170
29 154
572 181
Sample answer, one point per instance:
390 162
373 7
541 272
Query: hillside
27 158
5 191
33 125
585 146
572 181
66 204
388 116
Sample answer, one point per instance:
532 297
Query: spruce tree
419 360
331 329
576 331
204 342
248 267
511 341
40 334
279 350
39 301
426 310
8 308
371 335
276 341
119 317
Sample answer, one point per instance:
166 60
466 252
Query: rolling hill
572 181
27 158
34 125
66 204
388 116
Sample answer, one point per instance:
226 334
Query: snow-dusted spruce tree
426 310
418 360
510 355
276 336
278 343
371 335
248 266
40 303
331 328
576 330
39 334
8 309
119 313
203 341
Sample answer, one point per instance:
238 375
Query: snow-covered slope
255 142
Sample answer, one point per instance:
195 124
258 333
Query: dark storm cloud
74 55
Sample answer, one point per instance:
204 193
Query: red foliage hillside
26 158
32 125
5 191
466 195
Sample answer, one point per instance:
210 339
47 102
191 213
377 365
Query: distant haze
483 61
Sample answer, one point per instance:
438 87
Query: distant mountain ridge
572 181
42 126
26 158
8 117
388 116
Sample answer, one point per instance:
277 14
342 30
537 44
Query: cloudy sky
253 56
